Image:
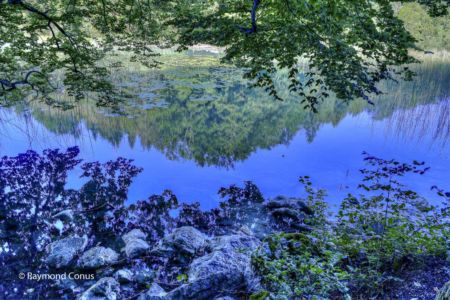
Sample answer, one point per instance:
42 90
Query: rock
66 284
136 248
135 244
236 242
105 289
245 230
444 292
155 292
288 213
226 270
62 252
285 202
106 271
59 225
65 215
98 257
133 235
123 276
144 275
182 242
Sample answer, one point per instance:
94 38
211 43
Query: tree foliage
43 42
350 45
432 33
33 191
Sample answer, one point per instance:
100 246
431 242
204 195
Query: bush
303 264
390 228
376 236
298 264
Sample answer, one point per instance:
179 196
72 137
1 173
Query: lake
196 126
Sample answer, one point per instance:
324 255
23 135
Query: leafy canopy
39 38
350 45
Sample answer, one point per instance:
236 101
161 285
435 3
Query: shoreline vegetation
208 56
387 242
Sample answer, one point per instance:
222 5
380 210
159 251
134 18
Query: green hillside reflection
208 114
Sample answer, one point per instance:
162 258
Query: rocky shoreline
207 266
218 266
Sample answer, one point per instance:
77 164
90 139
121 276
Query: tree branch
28 7
11 85
254 27
50 20
8 85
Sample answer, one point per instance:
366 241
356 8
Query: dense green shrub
375 237
390 228
299 264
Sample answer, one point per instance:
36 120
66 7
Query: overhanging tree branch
8 85
11 85
254 27
51 22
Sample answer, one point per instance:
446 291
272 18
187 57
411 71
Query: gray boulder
123 276
245 230
136 248
97 257
288 213
155 292
288 202
182 242
62 252
226 270
105 289
133 235
135 244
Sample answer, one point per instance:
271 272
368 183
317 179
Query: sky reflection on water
212 133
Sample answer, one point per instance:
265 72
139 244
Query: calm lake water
197 126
